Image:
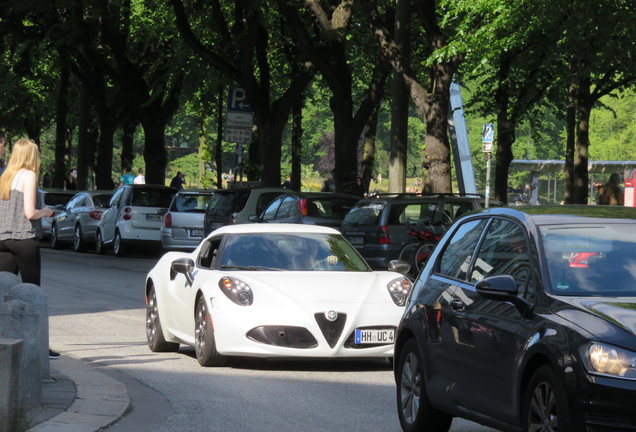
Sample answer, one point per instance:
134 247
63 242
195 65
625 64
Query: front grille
350 342
604 421
331 330
284 336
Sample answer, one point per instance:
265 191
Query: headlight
399 289
237 291
609 360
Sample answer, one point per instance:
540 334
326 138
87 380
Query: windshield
294 252
591 260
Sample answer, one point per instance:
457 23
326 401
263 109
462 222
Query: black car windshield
293 252
591 260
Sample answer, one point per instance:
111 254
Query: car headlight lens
237 291
610 360
399 290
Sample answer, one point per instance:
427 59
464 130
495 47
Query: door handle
457 304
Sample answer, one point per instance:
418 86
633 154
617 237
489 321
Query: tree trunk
505 131
127 140
436 155
399 104
104 168
154 146
218 152
62 144
581 180
296 145
83 138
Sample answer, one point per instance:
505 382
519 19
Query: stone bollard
19 320
7 281
34 295
10 360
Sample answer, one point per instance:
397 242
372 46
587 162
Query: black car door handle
457 304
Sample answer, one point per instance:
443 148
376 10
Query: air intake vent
283 336
331 330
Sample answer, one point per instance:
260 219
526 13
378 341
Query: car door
487 334
64 220
110 216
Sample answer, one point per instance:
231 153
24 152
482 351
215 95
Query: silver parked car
56 200
183 223
77 222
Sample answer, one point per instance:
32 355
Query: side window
456 257
114 201
264 200
505 251
73 202
270 211
286 207
209 252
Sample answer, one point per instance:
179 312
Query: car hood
319 286
612 313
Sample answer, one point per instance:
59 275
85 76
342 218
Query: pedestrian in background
329 185
611 193
141 178
127 178
178 181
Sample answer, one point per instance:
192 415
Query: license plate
356 240
196 233
154 217
374 336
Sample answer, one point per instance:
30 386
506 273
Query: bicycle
417 251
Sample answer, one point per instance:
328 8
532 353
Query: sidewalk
78 398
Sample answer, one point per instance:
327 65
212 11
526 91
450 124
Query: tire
545 406
407 251
100 247
422 255
119 246
79 244
204 344
414 409
54 241
154 331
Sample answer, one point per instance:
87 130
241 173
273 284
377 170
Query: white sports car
279 290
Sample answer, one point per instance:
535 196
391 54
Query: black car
379 226
312 208
524 319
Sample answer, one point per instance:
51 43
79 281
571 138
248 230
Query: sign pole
487 139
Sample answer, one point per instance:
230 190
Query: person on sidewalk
178 181
19 249
141 178
610 193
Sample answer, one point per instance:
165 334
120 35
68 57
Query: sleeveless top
13 222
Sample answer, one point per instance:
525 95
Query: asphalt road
97 314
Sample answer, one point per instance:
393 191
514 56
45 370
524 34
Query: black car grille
284 336
601 421
331 330
351 340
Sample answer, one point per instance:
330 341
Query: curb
78 398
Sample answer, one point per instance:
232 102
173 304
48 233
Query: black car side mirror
503 288
185 266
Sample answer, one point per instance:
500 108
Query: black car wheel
54 241
100 247
414 409
545 404
154 332
204 344
119 247
79 244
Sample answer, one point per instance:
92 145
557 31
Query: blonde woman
19 250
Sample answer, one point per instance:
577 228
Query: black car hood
614 314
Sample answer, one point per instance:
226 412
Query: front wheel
414 409
154 331
545 404
204 344
100 247
79 244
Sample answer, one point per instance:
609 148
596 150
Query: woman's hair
25 154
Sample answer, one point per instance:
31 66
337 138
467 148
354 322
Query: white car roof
274 228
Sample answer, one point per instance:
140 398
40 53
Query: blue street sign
488 134
237 100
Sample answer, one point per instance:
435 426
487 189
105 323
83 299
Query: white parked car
273 290
134 217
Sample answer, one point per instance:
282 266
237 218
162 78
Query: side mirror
253 218
398 266
185 266
503 288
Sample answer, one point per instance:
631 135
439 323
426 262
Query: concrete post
19 320
10 362
7 281
34 295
